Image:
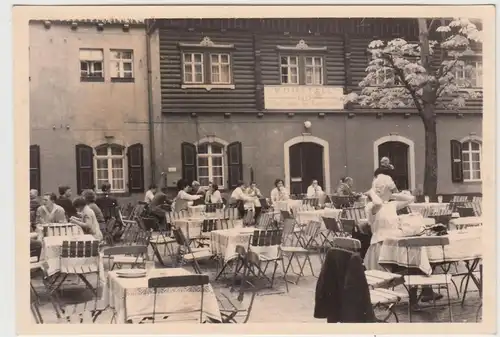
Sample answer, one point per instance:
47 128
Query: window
91 68
469 74
471 160
221 68
110 166
193 68
305 70
121 64
211 164
314 70
289 70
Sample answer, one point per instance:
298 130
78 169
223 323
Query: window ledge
122 79
207 87
472 181
91 79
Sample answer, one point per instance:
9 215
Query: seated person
88 221
106 203
183 197
279 192
314 190
90 198
65 202
50 212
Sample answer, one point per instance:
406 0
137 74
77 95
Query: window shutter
235 164
188 153
457 175
84 167
135 168
35 182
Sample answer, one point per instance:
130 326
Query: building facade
88 105
262 99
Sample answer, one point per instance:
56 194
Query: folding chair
466 210
35 309
182 281
416 281
477 206
232 308
312 202
203 239
61 230
381 298
304 248
265 220
229 215
266 238
134 256
186 254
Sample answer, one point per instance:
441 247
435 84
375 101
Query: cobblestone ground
275 305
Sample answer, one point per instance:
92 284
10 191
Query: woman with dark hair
279 192
213 195
183 197
88 221
253 191
49 211
90 198
107 204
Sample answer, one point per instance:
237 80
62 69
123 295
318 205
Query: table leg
471 266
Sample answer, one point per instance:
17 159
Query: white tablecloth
131 298
287 205
464 245
304 217
51 253
223 243
469 221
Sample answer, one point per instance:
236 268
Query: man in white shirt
314 190
150 193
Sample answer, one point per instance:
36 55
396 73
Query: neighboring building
234 96
89 105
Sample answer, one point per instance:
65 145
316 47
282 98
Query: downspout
150 28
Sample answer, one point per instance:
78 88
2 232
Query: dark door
397 152
306 164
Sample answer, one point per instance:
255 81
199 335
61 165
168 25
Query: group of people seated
86 210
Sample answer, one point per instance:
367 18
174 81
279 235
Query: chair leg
284 273
449 303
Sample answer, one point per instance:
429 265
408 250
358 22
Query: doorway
397 152
306 165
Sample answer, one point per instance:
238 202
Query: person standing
183 197
64 201
253 191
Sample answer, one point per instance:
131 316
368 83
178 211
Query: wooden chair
79 258
203 239
266 220
182 281
383 300
416 281
231 308
266 238
186 254
304 248
313 202
467 209
61 230
478 208
132 255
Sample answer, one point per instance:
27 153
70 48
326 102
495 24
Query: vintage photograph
256 170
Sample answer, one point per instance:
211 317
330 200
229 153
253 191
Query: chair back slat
211 208
208 225
331 224
263 238
178 281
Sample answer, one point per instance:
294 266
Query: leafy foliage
403 74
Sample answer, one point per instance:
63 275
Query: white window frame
91 64
193 64
314 67
461 74
209 155
289 66
110 158
121 61
219 64
470 161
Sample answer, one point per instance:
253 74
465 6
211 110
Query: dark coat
384 170
67 205
342 293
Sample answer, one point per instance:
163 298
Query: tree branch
407 85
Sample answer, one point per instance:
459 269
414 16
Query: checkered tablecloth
51 253
223 243
132 299
464 245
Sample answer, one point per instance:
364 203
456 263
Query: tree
423 75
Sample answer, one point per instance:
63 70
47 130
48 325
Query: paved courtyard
275 305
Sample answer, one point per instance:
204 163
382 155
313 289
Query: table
223 243
132 299
51 253
465 222
304 217
464 246
287 205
